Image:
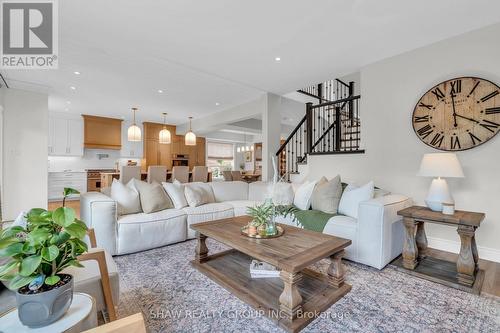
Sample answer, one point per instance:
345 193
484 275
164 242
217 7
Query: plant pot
43 308
252 230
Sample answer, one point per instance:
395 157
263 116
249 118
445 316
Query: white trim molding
486 253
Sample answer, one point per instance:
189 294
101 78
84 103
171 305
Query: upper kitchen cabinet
65 136
102 133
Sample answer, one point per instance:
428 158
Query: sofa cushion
139 232
282 194
260 191
126 197
227 191
195 197
303 194
88 280
345 227
208 212
240 206
326 196
353 196
175 191
153 197
204 188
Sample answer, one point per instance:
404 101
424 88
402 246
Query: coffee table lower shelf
230 269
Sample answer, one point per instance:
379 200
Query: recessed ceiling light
277 59
68 102
76 72
217 103
160 91
66 109
72 88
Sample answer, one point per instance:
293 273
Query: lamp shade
440 165
165 137
134 133
190 139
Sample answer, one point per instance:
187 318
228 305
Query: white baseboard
486 253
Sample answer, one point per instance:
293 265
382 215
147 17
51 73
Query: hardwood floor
491 283
75 204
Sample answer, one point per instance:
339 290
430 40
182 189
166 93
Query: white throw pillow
302 199
282 193
194 196
204 189
175 191
353 196
126 196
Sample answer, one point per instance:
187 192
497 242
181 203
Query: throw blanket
314 220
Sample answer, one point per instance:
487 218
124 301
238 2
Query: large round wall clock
458 114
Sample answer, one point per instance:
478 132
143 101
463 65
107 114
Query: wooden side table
465 275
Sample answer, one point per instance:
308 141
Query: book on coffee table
260 269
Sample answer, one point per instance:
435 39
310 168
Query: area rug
174 297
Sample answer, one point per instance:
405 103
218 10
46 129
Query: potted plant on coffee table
37 253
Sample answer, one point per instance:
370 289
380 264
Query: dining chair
129 172
236 175
200 174
181 173
227 176
157 173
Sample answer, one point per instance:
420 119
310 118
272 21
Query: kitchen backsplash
89 160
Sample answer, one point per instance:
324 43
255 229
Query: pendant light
190 137
165 137
134 132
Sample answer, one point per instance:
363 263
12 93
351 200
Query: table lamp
440 165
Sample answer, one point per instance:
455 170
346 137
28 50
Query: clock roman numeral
473 88
494 110
456 86
438 93
455 143
425 131
489 125
437 140
422 119
489 96
474 138
422 104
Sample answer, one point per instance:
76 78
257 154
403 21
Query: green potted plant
261 215
37 253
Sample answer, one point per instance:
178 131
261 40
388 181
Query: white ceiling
203 52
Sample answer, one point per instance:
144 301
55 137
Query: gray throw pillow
153 197
326 196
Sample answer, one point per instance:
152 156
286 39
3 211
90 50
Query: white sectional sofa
377 234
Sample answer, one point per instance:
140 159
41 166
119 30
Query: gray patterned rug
174 297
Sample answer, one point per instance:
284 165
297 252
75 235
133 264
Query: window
220 157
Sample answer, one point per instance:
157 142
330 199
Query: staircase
332 126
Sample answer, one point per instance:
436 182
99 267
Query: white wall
390 89
24 139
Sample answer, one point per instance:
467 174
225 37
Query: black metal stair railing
329 91
330 127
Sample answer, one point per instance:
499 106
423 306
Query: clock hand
473 120
454 112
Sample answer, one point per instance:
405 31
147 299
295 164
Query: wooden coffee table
300 294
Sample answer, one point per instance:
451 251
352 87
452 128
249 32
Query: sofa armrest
99 212
380 230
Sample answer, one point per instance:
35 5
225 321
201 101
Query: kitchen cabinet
57 181
102 132
65 137
161 154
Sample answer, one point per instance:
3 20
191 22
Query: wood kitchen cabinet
161 154
102 132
